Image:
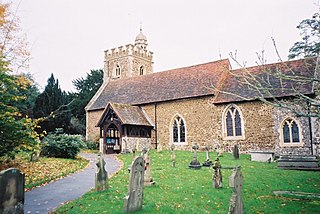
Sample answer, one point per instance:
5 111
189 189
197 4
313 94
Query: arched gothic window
118 71
141 70
178 130
290 132
233 128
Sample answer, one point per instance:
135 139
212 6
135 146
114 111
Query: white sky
68 37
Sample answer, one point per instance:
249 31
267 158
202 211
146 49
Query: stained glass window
286 133
229 124
295 133
233 122
290 131
179 130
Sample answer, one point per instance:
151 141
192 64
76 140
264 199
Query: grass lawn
45 169
182 190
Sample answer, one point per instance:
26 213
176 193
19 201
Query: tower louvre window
141 70
118 70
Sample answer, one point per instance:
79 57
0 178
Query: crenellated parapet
128 50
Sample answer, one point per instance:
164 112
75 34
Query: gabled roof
193 81
127 114
232 89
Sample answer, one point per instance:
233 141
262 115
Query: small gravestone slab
195 164
133 201
148 180
220 153
235 152
236 182
101 180
217 176
173 156
11 191
208 162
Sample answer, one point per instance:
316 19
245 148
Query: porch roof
127 114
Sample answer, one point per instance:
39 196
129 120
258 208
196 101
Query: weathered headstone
208 162
220 153
133 201
217 176
11 191
236 182
235 152
148 180
173 156
101 175
195 164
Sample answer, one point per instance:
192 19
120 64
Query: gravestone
148 180
11 191
217 176
236 182
195 164
220 153
208 162
101 180
133 201
173 156
235 152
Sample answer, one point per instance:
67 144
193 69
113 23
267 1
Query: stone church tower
129 60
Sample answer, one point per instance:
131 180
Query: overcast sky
68 37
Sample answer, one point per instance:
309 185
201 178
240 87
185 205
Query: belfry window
178 130
290 133
232 123
118 70
141 70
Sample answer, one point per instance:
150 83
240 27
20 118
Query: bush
91 145
62 145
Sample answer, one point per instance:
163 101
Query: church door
112 140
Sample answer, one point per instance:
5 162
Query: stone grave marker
101 178
220 153
11 191
148 180
217 176
235 152
236 182
195 164
173 156
133 201
208 162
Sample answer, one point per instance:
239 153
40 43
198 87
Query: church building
203 104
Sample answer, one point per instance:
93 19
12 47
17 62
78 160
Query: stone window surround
291 144
224 125
171 130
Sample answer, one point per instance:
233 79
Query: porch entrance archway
112 139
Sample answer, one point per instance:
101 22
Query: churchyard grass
44 170
182 190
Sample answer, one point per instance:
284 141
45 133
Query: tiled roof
128 115
174 84
232 89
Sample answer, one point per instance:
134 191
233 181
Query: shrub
62 145
91 145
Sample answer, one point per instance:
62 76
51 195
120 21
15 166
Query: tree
28 92
52 106
310 44
16 130
86 88
13 45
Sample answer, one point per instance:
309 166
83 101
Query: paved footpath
46 198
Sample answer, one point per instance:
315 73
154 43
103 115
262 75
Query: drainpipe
156 126
310 128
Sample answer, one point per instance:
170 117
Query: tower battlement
127 50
